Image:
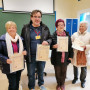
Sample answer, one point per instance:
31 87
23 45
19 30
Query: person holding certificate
35 32
11 43
60 59
80 58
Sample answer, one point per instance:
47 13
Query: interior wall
79 6
63 9
23 18
70 8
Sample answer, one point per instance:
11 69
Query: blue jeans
31 66
13 79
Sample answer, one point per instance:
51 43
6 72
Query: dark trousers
13 79
82 75
60 73
31 66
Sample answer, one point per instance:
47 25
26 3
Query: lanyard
36 32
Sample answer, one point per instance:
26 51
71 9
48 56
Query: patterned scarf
63 53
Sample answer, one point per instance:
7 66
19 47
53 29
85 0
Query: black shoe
74 81
83 85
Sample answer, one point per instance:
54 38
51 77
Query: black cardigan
56 56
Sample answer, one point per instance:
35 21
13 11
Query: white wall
63 9
70 8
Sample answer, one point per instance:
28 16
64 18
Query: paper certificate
62 44
17 62
77 44
42 52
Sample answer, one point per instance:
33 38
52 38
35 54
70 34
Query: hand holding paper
17 62
9 61
24 52
44 43
79 45
62 44
55 46
42 52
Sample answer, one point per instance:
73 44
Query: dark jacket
45 36
4 55
56 56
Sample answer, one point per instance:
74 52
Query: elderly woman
10 43
81 62
60 59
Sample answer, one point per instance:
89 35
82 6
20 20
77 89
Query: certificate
77 44
42 52
62 44
17 62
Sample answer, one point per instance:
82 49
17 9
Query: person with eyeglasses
35 33
60 59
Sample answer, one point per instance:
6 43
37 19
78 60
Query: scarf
63 53
9 41
82 33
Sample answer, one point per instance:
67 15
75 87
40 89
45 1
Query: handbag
81 58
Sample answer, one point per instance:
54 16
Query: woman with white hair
80 57
11 43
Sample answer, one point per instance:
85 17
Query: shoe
83 85
74 81
42 87
57 87
62 87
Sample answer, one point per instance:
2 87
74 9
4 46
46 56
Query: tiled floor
50 81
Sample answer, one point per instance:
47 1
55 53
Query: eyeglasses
39 17
61 25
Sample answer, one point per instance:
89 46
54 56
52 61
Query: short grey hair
84 22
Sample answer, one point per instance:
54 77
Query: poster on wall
0 3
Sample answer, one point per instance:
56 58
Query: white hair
84 22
